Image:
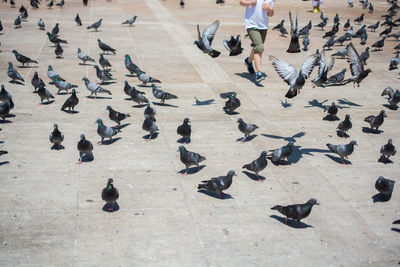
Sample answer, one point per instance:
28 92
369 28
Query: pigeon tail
331 147
214 53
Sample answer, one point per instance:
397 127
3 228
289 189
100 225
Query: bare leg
256 56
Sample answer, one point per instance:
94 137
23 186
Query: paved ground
51 207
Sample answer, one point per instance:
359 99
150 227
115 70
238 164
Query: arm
269 9
247 3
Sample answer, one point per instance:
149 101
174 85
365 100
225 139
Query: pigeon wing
209 33
309 64
356 65
285 70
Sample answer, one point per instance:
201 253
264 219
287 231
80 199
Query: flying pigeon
94 88
356 66
345 125
82 56
95 25
56 137
71 102
130 21
294 46
110 195
149 126
189 158
13 74
258 164
218 184
116 116
184 130
306 29
23 59
324 68
281 153
105 47
105 132
296 211
246 128
85 147
44 94
344 150
160 94
388 150
204 41
385 186
376 121
234 46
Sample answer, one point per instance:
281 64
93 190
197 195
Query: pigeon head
312 201
79 50
264 153
239 120
82 137
36 74
354 143
197 43
333 104
127 56
15 52
368 70
50 67
98 40
181 148
186 120
96 67
367 49
55 126
99 121
108 108
383 113
73 91
347 117
10 65
390 141
110 181
344 70
85 79
232 173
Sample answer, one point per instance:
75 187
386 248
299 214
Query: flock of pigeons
296 79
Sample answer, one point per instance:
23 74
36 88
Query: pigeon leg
286 220
299 224
259 179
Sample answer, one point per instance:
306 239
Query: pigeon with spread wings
205 40
356 66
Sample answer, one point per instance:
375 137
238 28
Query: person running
256 21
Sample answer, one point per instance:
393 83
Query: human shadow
248 139
338 159
286 104
192 170
115 207
344 101
164 105
249 77
379 197
315 103
98 97
183 140
384 160
110 141
214 194
291 223
369 130
153 136
253 176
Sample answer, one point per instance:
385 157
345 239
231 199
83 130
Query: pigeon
1 26
189 158
12 3
160 94
50 4
379 44
376 121
322 24
110 195
144 78
105 48
336 19
105 132
396 35
332 111
329 43
55 30
94 88
130 21
359 19
332 32
356 66
104 63
351 32
364 4
387 31
341 39
36 81
95 25
394 62
290 75
85 2
184 130
78 20
138 97
181 3
337 78
340 54
103 75
58 51
370 8
23 59
375 26
397 47
345 125
246 128
82 56
130 66
128 90
4 95
363 37
323 17
56 137
52 74
149 126
279 25
385 186
344 150
41 25
204 41
44 94
13 74
218 184
296 211
71 102
60 4
306 42
3 152
116 116
294 46
55 39
388 150
283 30
63 86
85 147
234 46
24 15
364 56
306 29
323 71
150 112
281 153
257 165
232 103
5 108
394 97
347 25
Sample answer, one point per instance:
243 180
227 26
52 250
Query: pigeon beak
317 204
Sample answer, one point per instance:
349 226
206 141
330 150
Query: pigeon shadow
130 75
164 105
16 82
98 97
338 159
5 121
249 77
379 197
342 134
145 85
248 139
192 170
4 162
395 230
231 113
28 67
204 103
214 194
287 139
87 158
108 82
115 207
253 176
47 103
291 223
55 147
286 104
128 98
70 111
86 64
344 101
369 130
154 136
139 106
315 103
384 160
110 141
329 118
182 140
122 126
391 107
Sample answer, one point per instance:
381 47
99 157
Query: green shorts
257 38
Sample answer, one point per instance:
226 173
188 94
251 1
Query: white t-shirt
256 17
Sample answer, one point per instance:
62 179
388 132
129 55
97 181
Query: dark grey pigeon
105 47
385 187
306 42
379 44
342 39
130 66
59 51
130 21
337 78
184 130
394 96
296 211
13 74
105 131
85 147
44 94
189 158
370 8
329 43
376 121
364 56
283 30
5 108
289 74
4 95
103 75
322 24
332 32
232 103
344 150
345 125
137 96
278 26
306 29
332 111
36 81
356 66
346 25
71 102
257 165
150 112
281 153
386 32
17 22
340 54
55 30
56 137
104 63
363 37
204 41
360 31
144 78
77 19
388 150
3 152
55 40
246 128
323 70
116 116
234 46
394 62
149 126
218 184
110 195
95 25
374 26
23 59
162 95
359 19
396 35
